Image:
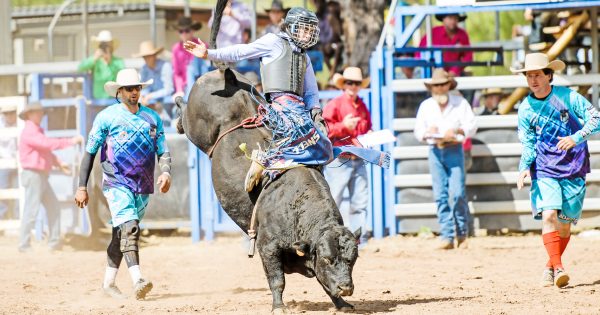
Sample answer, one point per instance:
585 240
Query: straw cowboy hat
276 5
352 74
30 107
440 17
187 23
105 36
8 108
491 91
147 49
125 77
539 61
440 76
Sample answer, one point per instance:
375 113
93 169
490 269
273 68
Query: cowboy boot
254 174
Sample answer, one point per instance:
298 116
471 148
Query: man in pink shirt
181 58
347 118
449 34
36 160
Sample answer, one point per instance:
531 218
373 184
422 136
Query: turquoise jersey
129 144
563 113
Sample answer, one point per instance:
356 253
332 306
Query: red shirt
334 114
35 149
439 37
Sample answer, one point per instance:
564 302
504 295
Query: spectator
406 73
8 150
347 117
37 159
236 18
157 95
195 69
449 34
276 14
491 99
443 121
103 64
181 59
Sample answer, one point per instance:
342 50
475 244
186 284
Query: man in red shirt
36 160
449 34
347 118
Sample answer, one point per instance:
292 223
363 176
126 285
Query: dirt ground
396 275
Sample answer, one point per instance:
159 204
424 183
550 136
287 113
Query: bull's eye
327 261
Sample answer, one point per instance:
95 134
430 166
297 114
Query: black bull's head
333 257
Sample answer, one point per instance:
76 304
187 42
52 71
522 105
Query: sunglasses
352 83
440 84
187 30
132 87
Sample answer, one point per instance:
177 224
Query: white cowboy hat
539 61
147 49
352 74
125 77
8 108
441 76
105 36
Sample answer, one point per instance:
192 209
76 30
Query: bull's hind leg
273 266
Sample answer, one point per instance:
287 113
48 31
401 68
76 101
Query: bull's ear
302 248
357 233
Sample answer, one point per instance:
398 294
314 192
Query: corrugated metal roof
49 10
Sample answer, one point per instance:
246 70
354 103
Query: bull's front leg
340 304
273 266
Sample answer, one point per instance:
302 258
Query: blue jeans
448 176
342 173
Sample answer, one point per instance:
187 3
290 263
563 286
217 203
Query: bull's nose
346 290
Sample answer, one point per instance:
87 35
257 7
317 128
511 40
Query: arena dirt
396 275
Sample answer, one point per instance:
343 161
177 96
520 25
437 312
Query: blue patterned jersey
563 113
129 145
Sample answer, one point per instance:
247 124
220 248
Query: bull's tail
214 31
181 106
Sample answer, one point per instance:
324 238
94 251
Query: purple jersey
129 145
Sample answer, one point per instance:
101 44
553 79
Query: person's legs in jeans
33 197
456 187
359 197
338 174
439 178
53 212
4 184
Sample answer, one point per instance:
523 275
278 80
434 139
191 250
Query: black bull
299 226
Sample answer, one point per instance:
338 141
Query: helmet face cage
303 27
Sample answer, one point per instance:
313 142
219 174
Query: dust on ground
495 275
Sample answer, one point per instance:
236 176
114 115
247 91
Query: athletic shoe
141 288
445 244
113 292
561 278
547 277
461 242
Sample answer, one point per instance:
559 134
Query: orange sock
563 245
552 244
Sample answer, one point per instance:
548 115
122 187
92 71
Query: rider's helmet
303 27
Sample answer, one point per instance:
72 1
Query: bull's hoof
348 308
280 310
343 306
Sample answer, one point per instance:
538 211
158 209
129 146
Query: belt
443 145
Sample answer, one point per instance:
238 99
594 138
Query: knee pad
130 236
113 251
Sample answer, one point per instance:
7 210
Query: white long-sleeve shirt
267 49
457 114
